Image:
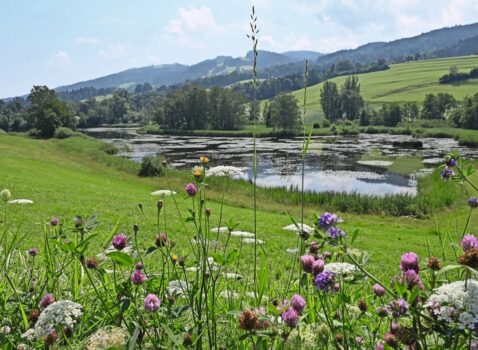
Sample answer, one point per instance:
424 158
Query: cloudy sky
57 42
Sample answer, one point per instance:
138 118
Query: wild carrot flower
5 330
191 189
325 281
107 337
378 290
22 346
120 241
61 313
290 317
33 252
409 261
469 242
20 201
163 193
138 277
151 303
307 262
298 303
47 300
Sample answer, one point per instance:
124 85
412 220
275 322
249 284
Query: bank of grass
75 176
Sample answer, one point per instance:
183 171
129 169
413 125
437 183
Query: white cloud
153 59
61 57
193 19
113 51
87 40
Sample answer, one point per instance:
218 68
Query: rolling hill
404 82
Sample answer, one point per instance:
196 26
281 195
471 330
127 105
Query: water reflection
331 163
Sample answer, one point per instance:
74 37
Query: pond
379 164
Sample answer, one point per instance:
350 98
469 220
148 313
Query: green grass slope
404 82
75 176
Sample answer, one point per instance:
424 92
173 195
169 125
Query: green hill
404 82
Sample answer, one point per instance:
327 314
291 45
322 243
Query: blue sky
57 42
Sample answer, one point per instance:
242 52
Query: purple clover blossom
318 266
412 279
191 189
290 317
409 261
138 277
378 290
119 241
307 262
398 308
152 303
139 265
327 220
379 346
33 252
47 300
469 242
473 202
325 281
54 221
447 173
298 303
336 233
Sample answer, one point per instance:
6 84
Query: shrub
316 125
63 133
2 132
325 123
109 148
152 167
33 133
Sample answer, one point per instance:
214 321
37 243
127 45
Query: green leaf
355 234
121 258
218 258
24 316
231 257
134 338
449 268
307 143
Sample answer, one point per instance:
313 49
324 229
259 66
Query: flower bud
135 228
159 205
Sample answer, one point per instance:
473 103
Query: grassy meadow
404 82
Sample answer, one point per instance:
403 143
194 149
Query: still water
332 163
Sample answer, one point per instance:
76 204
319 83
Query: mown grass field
75 176
404 82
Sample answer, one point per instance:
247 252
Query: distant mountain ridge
444 42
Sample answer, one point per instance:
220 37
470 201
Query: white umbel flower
251 241
242 234
224 170
297 228
63 312
341 268
20 201
163 193
453 302
220 230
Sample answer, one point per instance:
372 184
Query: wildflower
307 262
335 233
473 202
341 268
252 240
5 330
204 160
162 240
34 314
327 255
208 212
398 308
381 311
290 317
151 303
327 220
224 170
54 221
298 228
139 265
362 305
120 241
469 258
409 261
242 234
107 338
163 193
197 172
394 327
78 221
47 300
434 263
61 313
412 279
406 335
314 247
447 173
51 338
20 201
325 281
469 242
33 252
248 320
318 267
91 263
187 339
191 189
138 277
298 303
390 339
22 346
379 346
6 195
378 290
159 205
450 161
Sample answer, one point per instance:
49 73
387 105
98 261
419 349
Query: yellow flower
197 172
174 258
204 160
